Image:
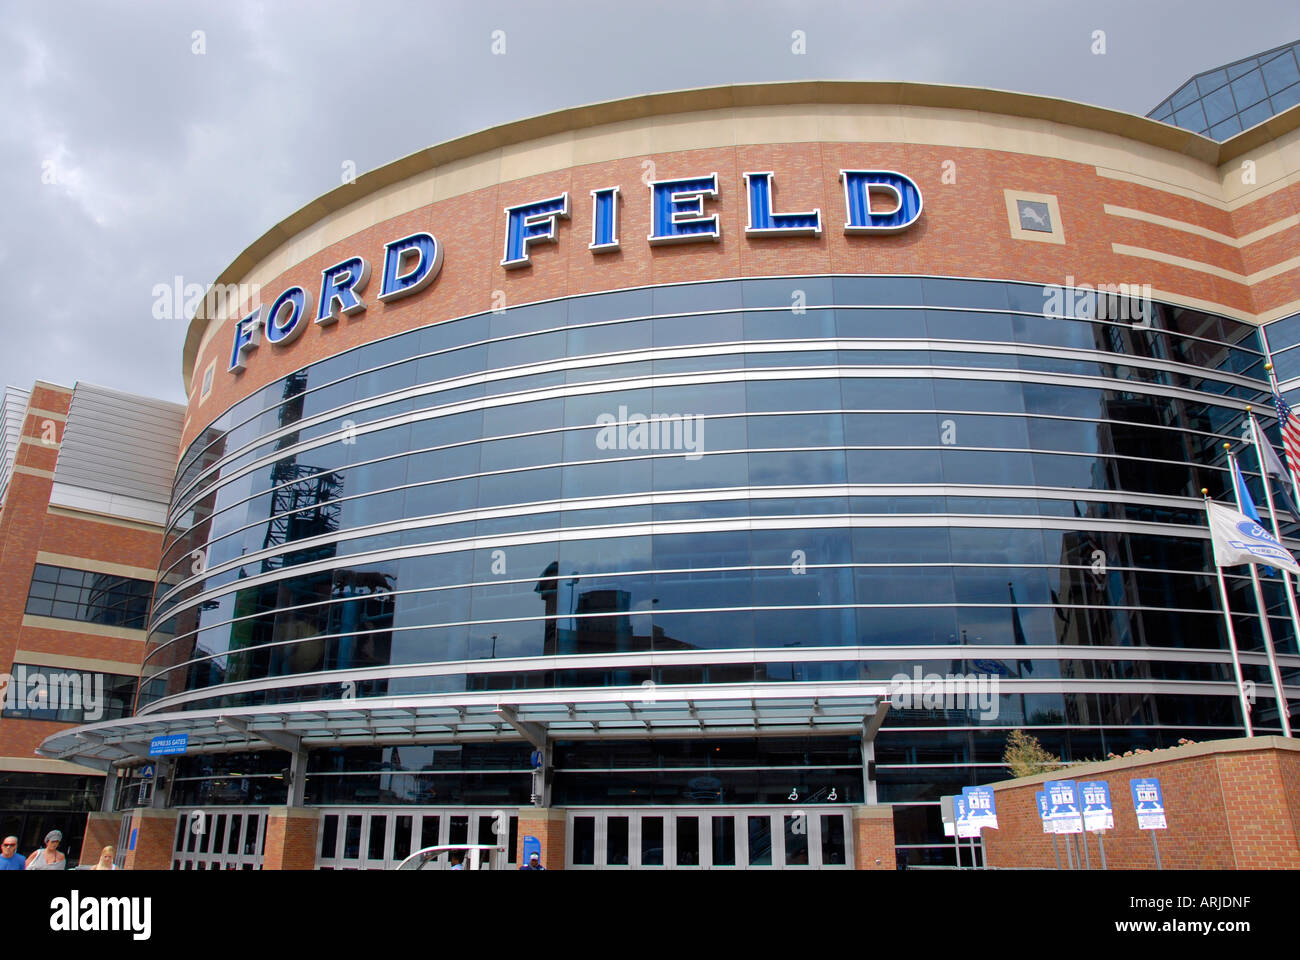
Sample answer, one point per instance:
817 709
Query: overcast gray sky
127 159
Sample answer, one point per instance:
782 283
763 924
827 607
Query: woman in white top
105 860
48 858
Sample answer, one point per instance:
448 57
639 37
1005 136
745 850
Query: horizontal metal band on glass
652 571
187 459
650 355
748 656
752 346
411 418
1030 419
560 534
742 348
670 456
572 505
547 663
748 494
937 566
161 710
753 282
176 542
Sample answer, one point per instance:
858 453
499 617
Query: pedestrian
48 858
534 863
9 858
106 859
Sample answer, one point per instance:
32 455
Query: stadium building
596 478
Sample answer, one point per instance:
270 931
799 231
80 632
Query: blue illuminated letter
677 210
296 303
858 187
248 334
339 286
763 222
410 264
604 220
530 223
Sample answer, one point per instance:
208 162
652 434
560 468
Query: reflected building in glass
880 445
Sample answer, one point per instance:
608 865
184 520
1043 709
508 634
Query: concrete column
291 838
873 837
101 831
154 831
547 824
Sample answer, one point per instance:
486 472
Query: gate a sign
981 808
1063 805
1097 811
1148 803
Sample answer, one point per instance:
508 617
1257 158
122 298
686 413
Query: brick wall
155 837
290 839
873 838
101 831
1230 804
547 824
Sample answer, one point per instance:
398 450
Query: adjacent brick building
85 475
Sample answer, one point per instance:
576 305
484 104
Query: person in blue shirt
9 858
534 863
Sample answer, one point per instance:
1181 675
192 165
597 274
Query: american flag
1290 432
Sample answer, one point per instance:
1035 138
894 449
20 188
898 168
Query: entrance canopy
664 711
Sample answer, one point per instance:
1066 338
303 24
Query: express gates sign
677 215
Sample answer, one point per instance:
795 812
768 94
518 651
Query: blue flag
1245 503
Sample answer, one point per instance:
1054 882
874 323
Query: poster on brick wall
1148 803
1043 810
1098 814
1063 805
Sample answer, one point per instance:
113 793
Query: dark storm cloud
165 162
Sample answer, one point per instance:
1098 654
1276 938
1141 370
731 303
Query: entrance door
219 839
380 838
709 838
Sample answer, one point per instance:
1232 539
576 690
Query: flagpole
1232 634
1277 535
1277 392
1283 711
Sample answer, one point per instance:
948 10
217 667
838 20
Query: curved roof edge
644 106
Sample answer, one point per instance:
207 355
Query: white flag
1272 464
1239 539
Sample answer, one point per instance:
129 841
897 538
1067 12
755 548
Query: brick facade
155 839
963 232
873 837
1230 804
547 824
102 831
290 839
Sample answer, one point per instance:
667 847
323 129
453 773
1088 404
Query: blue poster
981 808
532 845
1148 803
1041 797
1063 806
1097 811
